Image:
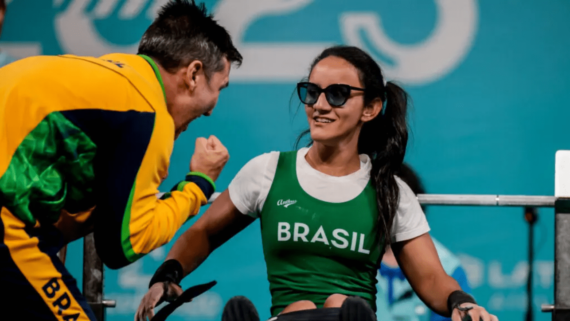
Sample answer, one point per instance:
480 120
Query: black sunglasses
336 94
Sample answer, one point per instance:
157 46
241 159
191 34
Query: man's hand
154 296
210 157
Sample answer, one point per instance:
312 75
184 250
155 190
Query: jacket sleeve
133 151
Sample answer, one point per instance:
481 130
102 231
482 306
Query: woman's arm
419 260
461 278
218 224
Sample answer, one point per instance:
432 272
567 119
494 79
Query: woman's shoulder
265 156
263 161
273 156
405 190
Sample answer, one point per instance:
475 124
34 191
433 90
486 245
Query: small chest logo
286 203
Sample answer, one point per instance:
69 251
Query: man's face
199 96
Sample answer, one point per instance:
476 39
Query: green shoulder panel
51 169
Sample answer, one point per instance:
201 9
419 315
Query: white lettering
320 236
515 279
286 203
340 237
297 235
354 239
361 245
336 235
545 270
283 228
474 268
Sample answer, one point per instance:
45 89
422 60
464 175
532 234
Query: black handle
187 295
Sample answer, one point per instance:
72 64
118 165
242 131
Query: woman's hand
476 313
154 296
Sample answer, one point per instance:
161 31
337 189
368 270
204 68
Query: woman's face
333 125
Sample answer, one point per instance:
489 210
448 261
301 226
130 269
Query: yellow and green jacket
88 140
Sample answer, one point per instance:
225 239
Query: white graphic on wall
76 29
478 273
508 285
266 61
428 60
418 64
20 49
474 269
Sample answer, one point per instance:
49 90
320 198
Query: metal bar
562 237
562 260
450 199
547 308
530 216
530 201
109 303
475 200
213 197
62 253
93 277
486 200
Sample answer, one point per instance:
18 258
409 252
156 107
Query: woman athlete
327 211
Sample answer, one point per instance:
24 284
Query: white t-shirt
249 190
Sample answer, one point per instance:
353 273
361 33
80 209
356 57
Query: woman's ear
372 110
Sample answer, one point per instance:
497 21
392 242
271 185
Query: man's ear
372 110
193 72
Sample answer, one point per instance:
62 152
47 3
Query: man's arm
133 154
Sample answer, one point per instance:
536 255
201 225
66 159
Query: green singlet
313 248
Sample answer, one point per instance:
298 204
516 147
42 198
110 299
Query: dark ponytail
384 138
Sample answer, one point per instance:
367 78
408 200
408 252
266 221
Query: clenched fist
210 157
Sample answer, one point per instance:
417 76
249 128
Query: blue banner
489 82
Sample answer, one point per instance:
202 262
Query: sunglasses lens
308 93
337 95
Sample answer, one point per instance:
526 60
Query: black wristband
456 298
205 185
169 271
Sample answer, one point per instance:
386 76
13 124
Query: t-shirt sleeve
250 187
410 221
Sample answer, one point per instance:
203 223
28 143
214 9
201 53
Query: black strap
169 271
456 298
186 296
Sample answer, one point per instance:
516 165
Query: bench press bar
475 200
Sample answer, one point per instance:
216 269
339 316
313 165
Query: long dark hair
384 138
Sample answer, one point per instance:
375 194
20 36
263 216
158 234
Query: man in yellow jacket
85 143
